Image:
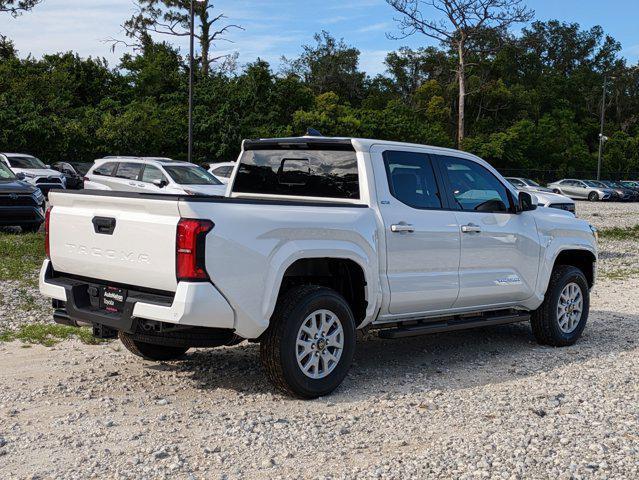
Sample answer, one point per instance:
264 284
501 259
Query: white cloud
375 27
372 61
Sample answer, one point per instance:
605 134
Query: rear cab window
319 171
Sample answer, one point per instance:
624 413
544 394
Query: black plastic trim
303 143
452 324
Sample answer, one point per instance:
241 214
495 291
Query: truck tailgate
140 249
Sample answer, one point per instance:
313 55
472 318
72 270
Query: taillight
47 248
190 253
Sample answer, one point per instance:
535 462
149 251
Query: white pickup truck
318 237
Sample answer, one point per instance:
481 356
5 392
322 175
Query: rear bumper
193 304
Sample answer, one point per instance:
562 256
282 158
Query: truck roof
338 143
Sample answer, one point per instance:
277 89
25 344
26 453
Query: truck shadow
444 362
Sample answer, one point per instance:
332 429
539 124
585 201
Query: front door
499 248
422 237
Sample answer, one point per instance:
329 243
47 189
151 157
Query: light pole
602 137
191 76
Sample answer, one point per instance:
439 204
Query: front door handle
471 228
402 227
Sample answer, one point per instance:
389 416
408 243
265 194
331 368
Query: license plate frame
113 299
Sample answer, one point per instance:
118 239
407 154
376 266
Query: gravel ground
488 403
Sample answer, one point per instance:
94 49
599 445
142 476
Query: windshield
592 183
6 173
26 162
187 175
531 183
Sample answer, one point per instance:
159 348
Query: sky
273 28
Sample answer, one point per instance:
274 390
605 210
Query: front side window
106 169
190 175
411 179
128 171
26 162
474 188
5 172
152 174
304 173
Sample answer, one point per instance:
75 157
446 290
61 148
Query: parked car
545 196
34 171
222 171
73 179
623 193
582 190
319 237
151 175
21 204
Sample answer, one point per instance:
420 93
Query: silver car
545 196
581 190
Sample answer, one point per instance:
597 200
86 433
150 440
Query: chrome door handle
470 228
402 227
132 184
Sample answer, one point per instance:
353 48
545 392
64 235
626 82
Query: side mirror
527 202
48 166
160 183
20 176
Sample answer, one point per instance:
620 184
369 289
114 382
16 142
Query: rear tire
561 319
150 351
593 196
309 345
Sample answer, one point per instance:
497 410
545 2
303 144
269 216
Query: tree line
531 102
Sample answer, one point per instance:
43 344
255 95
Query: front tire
150 351
593 196
309 346
561 319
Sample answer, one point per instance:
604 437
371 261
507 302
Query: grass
620 274
49 334
21 255
618 233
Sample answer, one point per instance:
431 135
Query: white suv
34 171
152 175
222 171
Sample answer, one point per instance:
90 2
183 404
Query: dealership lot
481 403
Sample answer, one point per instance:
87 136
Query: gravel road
488 403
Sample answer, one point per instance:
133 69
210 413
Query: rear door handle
402 227
471 228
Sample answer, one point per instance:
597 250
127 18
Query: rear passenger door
126 176
422 236
499 248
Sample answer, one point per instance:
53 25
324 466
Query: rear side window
411 179
106 169
223 171
305 173
128 171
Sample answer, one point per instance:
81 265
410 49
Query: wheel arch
346 271
582 259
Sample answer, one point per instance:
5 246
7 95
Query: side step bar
451 324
